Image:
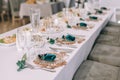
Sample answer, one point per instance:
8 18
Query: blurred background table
46 9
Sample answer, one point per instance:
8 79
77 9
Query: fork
71 46
61 49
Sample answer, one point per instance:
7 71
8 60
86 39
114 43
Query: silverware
28 65
61 49
71 46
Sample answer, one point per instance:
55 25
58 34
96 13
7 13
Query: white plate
5 44
11 44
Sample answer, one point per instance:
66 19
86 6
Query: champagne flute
23 41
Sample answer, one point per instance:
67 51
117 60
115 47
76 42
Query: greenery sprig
21 63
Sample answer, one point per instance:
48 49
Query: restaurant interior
59 40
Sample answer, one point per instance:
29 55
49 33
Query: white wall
110 3
114 4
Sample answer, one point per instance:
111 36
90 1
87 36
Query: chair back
14 5
72 3
0 6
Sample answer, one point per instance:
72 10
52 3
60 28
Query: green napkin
70 37
81 19
68 26
99 11
47 57
103 8
83 24
51 41
89 13
93 17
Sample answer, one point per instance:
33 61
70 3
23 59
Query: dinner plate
11 44
13 36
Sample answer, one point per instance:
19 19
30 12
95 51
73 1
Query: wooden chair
15 7
4 10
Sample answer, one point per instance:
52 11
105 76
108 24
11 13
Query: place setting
51 25
66 42
32 43
93 18
43 58
83 26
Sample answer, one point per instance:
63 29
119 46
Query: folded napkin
68 26
99 11
93 17
83 24
81 19
89 13
51 41
47 57
70 37
103 8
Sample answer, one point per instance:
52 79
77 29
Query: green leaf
1 41
21 65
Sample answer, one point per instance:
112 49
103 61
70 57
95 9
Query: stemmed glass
66 3
23 41
96 4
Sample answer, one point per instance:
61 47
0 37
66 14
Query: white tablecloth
9 56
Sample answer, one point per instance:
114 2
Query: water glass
35 19
96 4
20 39
83 13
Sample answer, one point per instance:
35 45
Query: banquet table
55 7
9 56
